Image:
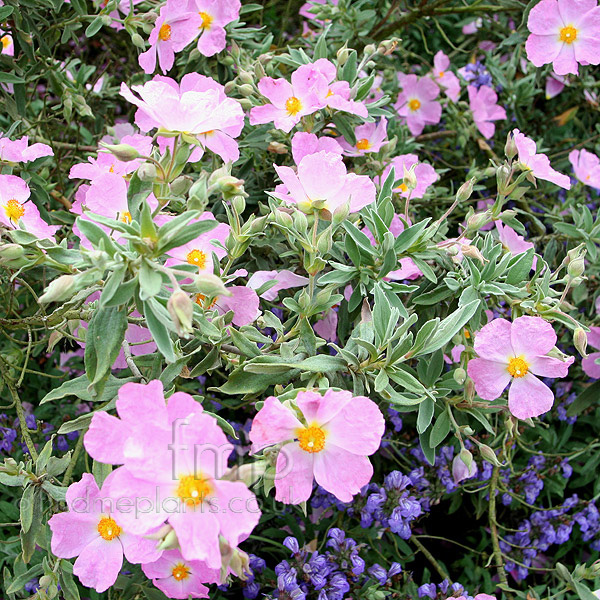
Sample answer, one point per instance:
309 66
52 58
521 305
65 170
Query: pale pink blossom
176 27
284 280
7 46
564 33
460 471
426 175
483 103
326 326
554 85
197 107
322 182
304 143
538 164
243 301
339 92
20 150
589 365
179 578
18 211
328 440
513 242
445 78
215 15
586 166
515 353
95 534
416 102
370 137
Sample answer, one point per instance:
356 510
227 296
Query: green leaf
26 507
440 429
10 78
425 414
78 387
156 318
350 67
94 27
18 583
150 280
589 397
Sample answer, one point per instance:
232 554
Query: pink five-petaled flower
446 79
516 352
425 174
215 15
513 242
483 103
416 102
17 210
290 101
586 166
174 456
370 137
177 577
197 106
284 280
304 143
175 28
20 150
589 365
538 164
564 33
96 536
243 301
323 182
328 440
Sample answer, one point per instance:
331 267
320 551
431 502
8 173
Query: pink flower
326 326
304 143
472 26
416 103
7 46
329 440
323 182
446 79
339 92
180 578
554 85
460 471
516 352
485 110
17 210
197 106
370 137
90 531
20 150
199 251
243 301
176 27
425 174
513 242
174 457
586 166
284 280
291 101
538 164
215 15
588 364
305 9
564 33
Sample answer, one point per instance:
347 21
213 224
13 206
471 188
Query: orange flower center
206 20
164 33
568 34
312 439
293 106
201 298
193 490
363 144
196 257
5 41
517 367
14 210
108 529
441 74
180 572
403 187
125 217
414 104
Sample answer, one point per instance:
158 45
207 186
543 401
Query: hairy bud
60 289
124 152
181 309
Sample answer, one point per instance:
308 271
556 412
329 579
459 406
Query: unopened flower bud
342 56
181 309
478 220
473 252
460 375
580 340
239 204
147 172
180 186
45 581
503 174
283 218
246 90
169 542
387 47
11 252
277 148
463 466
489 455
465 190
138 41
60 289
229 87
210 285
124 152
510 148
229 185
576 267
370 49
246 103
340 213
245 77
409 177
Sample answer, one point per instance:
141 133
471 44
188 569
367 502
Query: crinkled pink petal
490 377
493 341
99 564
531 336
548 366
528 397
274 423
294 474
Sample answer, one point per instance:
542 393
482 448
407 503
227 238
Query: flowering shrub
297 298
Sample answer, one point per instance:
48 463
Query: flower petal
529 397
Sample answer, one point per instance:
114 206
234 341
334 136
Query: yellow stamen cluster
193 490
414 104
206 20
312 439
568 34
517 367
180 572
201 301
5 39
196 257
293 106
125 217
14 210
108 529
164 33
363 144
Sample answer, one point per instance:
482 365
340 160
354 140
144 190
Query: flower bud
576 267
409 177
478 220
180 186
370 49
229 87
169 542
503 174
510 148
147 172
245 77
473 252
277 148
246 90
138 41
11 252
246 103
210 285
342 56
580 341
463 466
387 47
489 455
45 581
181 309
283 218
340 213
460 375
60 289
239 204
124 152
465 190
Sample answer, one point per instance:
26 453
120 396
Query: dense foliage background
523 522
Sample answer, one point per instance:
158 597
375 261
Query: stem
434 563
71 467
494 531
130 362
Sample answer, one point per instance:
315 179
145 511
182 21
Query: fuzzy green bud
60 289
576 267
465 190
489 455
138 41
246 90
460 375
181 309
580 340
510 148
342 56
147 172
124 152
